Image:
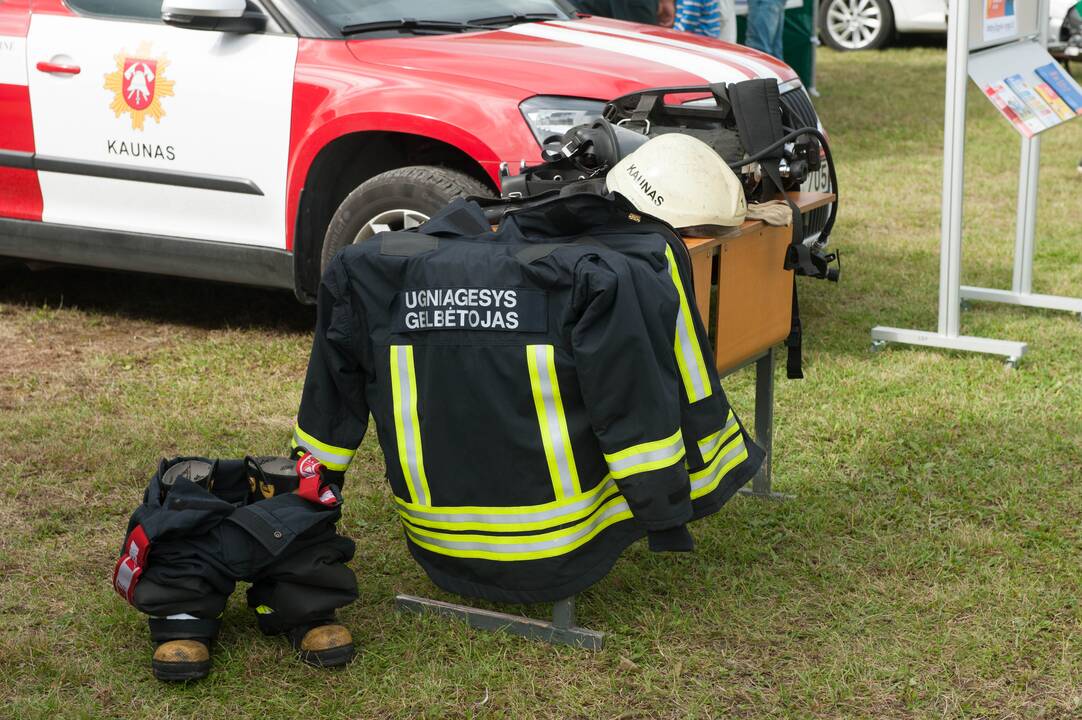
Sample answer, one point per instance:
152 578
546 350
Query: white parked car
869 24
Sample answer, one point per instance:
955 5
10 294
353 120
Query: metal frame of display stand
1021 292
950 286
563 628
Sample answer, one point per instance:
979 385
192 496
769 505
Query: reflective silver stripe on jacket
658 456
709 444
513 516
334 461
551 415
477 543
406 421
690 356
709 477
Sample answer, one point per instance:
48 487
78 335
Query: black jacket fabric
530 391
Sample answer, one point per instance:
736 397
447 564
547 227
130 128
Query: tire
846 25
404 197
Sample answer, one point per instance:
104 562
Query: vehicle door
148 128
920 15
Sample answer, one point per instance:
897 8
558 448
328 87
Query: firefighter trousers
201 543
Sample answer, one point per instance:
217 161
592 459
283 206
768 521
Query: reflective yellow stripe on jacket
522 547
710 444
504 533
333 458
646 456
705 481
510 519
553 423
407 425
689 354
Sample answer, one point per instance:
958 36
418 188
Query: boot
322 645
181 660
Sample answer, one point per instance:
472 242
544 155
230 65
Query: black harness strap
794 362
756 108
641 114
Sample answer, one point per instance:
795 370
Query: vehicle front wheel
398 199
856 24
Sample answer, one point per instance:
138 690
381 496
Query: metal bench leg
764 428
561 631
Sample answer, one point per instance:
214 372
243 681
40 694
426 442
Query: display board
992 22
1001 45
1030 89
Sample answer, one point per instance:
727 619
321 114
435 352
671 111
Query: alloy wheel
390 220
854 24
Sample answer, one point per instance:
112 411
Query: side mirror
223 15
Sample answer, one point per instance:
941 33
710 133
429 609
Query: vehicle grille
800 107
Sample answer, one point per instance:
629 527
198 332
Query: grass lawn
930 565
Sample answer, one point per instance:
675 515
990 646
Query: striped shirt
702 17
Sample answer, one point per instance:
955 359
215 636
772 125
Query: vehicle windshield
342 13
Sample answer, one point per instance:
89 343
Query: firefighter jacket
530 396
708 423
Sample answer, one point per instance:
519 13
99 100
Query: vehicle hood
590 57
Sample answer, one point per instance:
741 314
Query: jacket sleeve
333 415
631 394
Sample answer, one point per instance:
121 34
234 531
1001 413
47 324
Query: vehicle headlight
551 116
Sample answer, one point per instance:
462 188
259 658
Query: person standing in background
652 12
712 18
766 21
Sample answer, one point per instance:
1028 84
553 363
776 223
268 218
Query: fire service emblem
138 84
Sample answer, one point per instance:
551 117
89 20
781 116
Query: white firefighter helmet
681 180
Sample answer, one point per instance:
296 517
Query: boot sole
180 671
331 657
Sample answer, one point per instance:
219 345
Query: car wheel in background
398 199
856 24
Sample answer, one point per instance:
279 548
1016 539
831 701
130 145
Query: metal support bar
1026 224
1009 349
761 484
561 631
1025 299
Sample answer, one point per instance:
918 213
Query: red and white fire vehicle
219 139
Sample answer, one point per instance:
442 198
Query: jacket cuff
676 539
659 499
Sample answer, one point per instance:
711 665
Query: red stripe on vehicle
17 130
14 17
20 192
